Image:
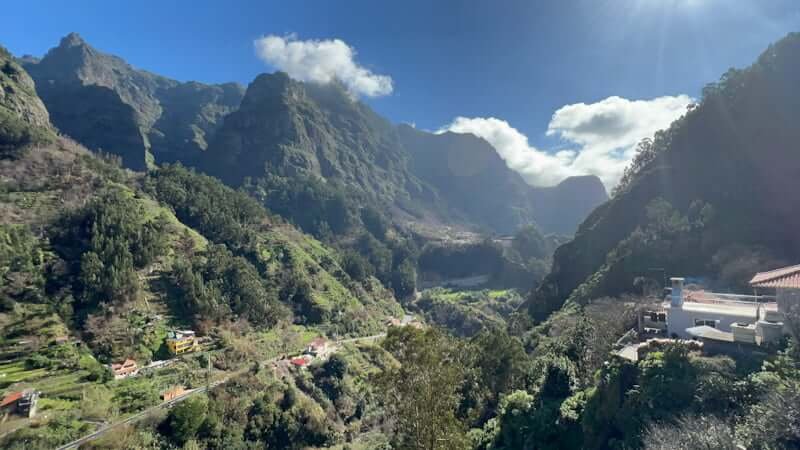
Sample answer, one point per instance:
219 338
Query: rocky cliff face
735 151
286 127
104 103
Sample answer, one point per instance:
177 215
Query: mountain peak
72 40
589 182
266 88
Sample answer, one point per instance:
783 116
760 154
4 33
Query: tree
530 243
500 364
690 433
404 279
96 402
356 265
185 419
422 392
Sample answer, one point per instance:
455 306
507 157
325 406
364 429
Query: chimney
677 292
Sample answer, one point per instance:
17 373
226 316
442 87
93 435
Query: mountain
105 103
472 178
287 138
561 208
99 247
711 196
286 127
23 116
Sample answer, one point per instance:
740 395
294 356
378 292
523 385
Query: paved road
168 404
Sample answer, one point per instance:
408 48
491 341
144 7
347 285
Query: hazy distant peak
587 182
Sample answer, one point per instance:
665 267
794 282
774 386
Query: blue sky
518 62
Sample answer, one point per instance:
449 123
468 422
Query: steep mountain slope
104 103
286 127
104 246
282 132
561 208
472 179
23 117
730 170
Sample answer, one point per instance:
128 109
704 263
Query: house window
706 322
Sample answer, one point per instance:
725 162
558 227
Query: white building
751 319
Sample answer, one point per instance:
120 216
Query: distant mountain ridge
472 178
283 127
105 103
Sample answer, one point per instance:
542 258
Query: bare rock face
285 128
106 104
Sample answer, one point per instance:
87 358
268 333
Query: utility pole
208 370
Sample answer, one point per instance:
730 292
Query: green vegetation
466 312
23 118
112 241
422 392
15 134
217 285
258 260
504 267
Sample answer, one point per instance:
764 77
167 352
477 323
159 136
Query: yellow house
181 342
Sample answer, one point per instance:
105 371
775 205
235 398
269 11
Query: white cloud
604 136
537 167
321 61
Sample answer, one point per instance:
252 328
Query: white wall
679 319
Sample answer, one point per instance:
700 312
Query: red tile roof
11 398
786 277
299 361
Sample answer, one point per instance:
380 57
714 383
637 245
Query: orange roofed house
22 403
125 369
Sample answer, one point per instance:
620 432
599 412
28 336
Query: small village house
317 347
181 341
125 369
22 403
